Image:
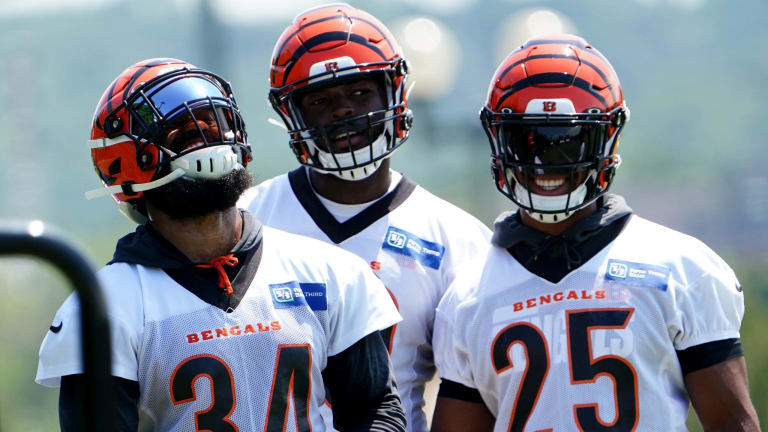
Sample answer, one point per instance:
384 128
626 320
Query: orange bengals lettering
558 297
234 331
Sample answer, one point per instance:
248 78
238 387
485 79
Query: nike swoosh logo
57 328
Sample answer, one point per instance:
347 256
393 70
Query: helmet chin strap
208 163
347 159
550 203
136 187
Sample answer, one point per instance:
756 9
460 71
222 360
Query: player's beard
188 198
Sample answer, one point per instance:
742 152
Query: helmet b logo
331 66
549 106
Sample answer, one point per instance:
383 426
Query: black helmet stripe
160 61
111 95
303 26
288 39
328 37
127 88
550 77
133 79
567 42
383 35
534 57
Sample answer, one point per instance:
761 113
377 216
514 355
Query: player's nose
341 108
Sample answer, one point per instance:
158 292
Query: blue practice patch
402 242
637 274
292 294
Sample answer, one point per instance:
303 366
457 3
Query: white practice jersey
597 349
255 368
413 241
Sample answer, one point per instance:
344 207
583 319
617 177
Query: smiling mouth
549 184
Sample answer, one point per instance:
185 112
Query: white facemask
209 163
550 203
361 156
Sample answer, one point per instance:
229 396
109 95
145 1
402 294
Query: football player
217 323
582 315
338 81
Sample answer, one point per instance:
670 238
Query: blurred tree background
693 73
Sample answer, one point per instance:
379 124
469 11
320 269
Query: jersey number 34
291 376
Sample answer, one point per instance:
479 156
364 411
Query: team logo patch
402 242
637 274
293 294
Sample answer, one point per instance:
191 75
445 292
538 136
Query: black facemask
186 198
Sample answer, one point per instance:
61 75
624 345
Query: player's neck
352 192
200 238
559 227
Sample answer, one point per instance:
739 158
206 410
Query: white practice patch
331 64
550 106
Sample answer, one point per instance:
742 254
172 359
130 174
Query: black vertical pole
98 398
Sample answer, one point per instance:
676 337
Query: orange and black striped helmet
553 116
130 148
330 44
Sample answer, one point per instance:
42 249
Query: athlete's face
329 107
188 198
553 159
187 131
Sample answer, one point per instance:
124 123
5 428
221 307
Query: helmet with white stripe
159 120
553 117
330 45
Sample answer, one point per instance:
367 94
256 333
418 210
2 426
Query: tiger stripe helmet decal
550 65
130 117
555 109
327 44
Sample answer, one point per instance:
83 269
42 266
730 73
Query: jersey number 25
584 368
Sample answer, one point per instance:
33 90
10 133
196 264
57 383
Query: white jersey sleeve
449 341
60 353
710 305
363 304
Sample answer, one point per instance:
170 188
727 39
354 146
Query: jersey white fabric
413 249
345 212
542 355
307 301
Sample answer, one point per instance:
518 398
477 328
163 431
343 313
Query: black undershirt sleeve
361 388
453 390
70 404
708 354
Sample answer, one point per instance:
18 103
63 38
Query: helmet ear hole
406 121
145 159
112 126
402 68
